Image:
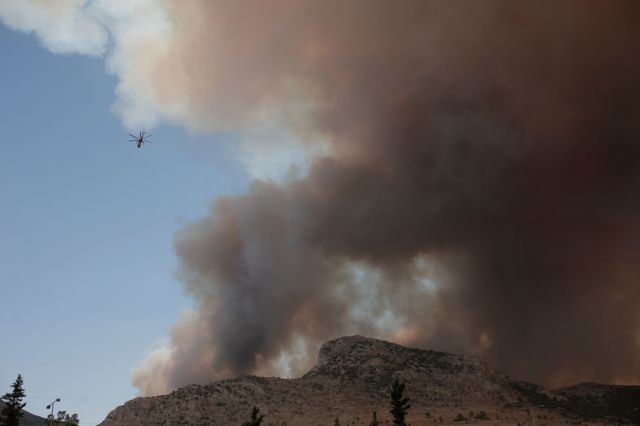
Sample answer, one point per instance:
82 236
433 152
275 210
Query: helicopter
141 139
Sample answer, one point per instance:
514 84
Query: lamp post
51 406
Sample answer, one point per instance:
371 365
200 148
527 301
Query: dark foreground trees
12 411
399 403
256 418
63 419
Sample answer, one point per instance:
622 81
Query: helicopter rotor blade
132 135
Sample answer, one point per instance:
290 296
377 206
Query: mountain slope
351 380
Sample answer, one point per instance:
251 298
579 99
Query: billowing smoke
480 191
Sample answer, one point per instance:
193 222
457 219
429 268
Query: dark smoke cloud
482 193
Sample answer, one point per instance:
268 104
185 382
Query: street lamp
51 406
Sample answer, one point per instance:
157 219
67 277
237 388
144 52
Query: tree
460 418
482 415
336 422
63 419
256 419
399 403
12 411
374 422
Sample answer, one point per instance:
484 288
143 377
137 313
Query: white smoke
125 34
134 38
62 26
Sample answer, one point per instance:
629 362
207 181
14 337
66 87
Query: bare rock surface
351 380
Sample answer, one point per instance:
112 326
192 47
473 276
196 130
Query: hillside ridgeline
351 380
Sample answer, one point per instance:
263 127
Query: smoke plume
480 190
481 193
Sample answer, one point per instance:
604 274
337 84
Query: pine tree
256 419
399 403
336 422
374 422
12 411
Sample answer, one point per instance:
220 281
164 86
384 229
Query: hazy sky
86 229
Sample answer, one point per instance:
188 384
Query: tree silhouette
399 403
374 422
256 418
12 411
63 419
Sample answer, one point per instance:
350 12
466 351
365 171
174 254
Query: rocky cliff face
351 380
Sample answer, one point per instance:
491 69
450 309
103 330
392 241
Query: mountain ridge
351 379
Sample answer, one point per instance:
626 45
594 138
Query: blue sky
87 221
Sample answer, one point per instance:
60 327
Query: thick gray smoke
481 192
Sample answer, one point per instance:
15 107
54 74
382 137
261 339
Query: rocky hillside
351 380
